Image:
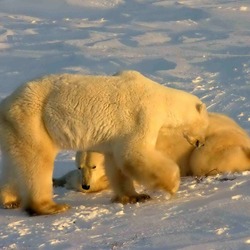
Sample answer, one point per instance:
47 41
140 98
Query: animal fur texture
118 115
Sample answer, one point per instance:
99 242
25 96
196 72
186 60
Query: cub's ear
201 107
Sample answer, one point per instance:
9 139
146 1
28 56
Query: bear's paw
46 208
131 199
11 205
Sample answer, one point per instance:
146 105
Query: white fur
118 115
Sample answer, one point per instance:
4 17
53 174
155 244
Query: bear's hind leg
151 168
122 185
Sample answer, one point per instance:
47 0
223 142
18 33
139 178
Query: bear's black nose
86 187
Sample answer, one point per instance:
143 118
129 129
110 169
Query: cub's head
196 127
91 165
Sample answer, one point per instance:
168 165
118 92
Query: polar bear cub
88 177
227 148
118 115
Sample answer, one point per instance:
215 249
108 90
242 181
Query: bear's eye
94 167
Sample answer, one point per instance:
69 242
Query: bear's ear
201 107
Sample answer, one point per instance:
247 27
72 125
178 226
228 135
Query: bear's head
91 165
195 129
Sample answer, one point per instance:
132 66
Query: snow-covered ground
201 46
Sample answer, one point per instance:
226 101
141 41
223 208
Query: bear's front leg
34 171
122 185
9 197
38 196
45 208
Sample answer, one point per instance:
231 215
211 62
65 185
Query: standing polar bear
119 115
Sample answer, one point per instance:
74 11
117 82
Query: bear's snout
86 187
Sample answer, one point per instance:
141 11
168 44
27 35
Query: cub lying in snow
227 149
89 175
118 115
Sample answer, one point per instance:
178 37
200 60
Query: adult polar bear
119 115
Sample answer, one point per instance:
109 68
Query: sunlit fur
120 115
227 148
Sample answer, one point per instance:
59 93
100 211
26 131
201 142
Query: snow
199 46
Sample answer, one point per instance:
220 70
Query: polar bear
227 148
89 176
118 115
